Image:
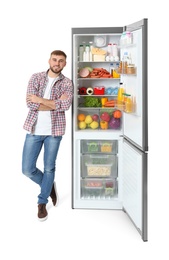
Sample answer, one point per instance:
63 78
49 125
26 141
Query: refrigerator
110 156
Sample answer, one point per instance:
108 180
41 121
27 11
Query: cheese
98 57
98 51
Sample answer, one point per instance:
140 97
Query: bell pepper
82 91
104 125
104 100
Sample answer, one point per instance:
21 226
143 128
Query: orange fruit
81 117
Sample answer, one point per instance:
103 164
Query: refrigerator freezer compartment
99 146
99 165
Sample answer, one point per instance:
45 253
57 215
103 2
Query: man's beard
56 72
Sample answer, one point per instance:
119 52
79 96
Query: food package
99 57
89 91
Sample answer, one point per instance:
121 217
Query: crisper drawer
95 165
101 146
98 187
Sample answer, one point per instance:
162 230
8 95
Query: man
49 95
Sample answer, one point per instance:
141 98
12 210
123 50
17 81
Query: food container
131 69
110 188
98 57
90 146
108 146
98 165
99 90
92 187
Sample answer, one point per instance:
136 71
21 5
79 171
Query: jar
128 104
131 69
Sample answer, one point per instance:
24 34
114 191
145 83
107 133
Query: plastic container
99 146
99 90
99 165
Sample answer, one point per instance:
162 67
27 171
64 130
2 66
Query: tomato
117 114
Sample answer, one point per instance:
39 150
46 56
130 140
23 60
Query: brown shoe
42 212
54 195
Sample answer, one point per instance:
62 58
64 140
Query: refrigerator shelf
98 95
107 79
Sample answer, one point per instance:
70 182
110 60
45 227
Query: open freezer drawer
135 186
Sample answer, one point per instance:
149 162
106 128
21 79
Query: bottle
81 51
111 68
90 53
109 49
129 38
120 96
114 50
86 54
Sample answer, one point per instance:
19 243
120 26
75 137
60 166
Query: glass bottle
81 51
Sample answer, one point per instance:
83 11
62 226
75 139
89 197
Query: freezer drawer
95 165
99 146
98 188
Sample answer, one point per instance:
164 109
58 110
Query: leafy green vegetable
92 102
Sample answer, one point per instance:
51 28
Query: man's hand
33 98
63 96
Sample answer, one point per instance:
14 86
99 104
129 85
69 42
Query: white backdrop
29 31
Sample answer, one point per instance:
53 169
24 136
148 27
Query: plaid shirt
36 86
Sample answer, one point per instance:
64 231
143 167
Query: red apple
95 117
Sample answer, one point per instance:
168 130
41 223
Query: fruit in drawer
94 125
82 125
88 119
95 117
105 116
117 114
104 125
114 123
81 117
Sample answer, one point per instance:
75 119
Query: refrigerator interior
107 172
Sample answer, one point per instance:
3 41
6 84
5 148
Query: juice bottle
120 96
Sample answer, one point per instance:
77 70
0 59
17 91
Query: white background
29 31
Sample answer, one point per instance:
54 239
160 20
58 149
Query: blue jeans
31 150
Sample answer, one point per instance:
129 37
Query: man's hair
58 52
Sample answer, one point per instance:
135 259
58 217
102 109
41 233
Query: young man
49 95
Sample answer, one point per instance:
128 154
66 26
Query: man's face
57 63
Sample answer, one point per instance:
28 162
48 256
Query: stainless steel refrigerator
110 120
